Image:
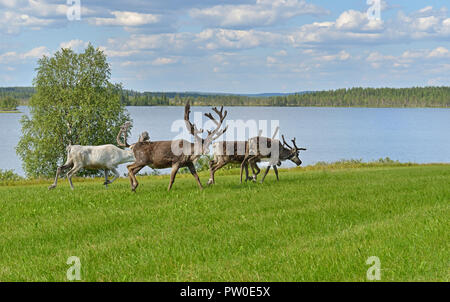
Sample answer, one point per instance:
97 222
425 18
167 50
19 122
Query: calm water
329 134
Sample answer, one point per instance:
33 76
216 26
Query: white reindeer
105 157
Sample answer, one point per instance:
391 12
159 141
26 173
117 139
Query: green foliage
8 103
309 226
74 103
8 176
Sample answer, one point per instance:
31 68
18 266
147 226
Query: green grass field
312 225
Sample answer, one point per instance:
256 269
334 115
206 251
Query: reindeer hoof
51 187
210 181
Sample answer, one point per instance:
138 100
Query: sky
236 46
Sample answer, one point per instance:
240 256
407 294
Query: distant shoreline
359 97
10 111
292 106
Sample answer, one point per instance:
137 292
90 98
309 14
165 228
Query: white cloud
262 13
439 81
353 27
439 52
44 9
206 40
271 60
342 56
408 57
8 3
281 53
12 22
357 21
118 53
164 61
212 39
76 45
124 18
34 53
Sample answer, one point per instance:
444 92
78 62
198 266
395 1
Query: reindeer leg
246 171
255 167
58 172
106 179
130 176
211 172
243 164
132 170
194 173
74 170
175 168
136 171
214 170
116 175
276 171
265 173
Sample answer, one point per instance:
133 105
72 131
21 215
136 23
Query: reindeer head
212 135
292 152
144 137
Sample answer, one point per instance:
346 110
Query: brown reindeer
226 152
268 148
176 153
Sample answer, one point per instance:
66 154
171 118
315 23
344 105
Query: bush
8 103
8 175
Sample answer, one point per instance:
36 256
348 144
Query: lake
420 135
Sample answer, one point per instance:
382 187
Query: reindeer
226 152
106 157
177 153
260 148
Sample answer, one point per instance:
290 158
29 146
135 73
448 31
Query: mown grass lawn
311 226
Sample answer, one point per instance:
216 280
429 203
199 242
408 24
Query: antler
295 145
191 127
214 134
284 142
124 130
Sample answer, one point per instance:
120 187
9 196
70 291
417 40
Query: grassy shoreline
313 225
14 180
10 111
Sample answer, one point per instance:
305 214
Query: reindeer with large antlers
260 148
177 153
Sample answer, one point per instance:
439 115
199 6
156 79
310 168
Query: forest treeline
351 97
22 94
8 103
